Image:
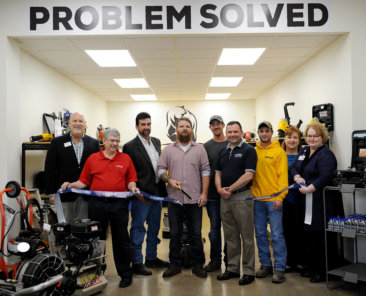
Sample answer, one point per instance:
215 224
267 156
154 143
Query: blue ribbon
119 194
293 186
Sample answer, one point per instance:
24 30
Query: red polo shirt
104 174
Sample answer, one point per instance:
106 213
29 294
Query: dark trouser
315 251
115 212
291 233
194 220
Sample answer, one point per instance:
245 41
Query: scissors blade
185 193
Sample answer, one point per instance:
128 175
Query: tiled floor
186 284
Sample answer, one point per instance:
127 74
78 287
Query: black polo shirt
233 163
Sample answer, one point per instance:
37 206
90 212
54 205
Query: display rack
356 271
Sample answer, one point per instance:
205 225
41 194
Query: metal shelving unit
356 271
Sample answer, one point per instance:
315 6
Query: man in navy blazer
64 162
145 152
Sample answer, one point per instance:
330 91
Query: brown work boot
264 271
278 277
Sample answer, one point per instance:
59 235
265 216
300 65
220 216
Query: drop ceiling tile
101 43
202 43
150 43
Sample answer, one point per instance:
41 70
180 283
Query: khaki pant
238 223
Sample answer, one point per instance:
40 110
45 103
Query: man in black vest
64 162
145 152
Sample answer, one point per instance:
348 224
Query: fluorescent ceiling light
240 56
221 96
111 58
132 83
144 97
225 81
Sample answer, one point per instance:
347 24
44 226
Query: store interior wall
121 115
326 78
44 90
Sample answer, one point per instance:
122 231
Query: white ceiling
177 67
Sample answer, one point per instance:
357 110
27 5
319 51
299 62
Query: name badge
238 155
67 144
301 157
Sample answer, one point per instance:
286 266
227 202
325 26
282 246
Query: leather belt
240 190
107 199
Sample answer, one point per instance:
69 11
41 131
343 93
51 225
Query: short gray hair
111 131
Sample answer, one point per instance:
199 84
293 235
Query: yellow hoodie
271 175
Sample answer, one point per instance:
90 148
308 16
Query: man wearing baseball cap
271 177
213 147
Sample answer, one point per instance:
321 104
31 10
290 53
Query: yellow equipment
42 138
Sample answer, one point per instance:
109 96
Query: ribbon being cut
293 186
107 194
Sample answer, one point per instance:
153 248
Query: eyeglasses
315 137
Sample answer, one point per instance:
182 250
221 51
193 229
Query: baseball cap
216 117
265 124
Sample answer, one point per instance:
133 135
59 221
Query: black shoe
199 271
306 273
171 271
317 278
156 263
141 269
125 282
227 275
213 266
246 279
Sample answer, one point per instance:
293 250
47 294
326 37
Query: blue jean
213 212
262 211
151 213
193 214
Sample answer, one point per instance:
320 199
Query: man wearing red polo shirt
111 170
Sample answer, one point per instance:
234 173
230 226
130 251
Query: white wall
43 90
121 115
326 78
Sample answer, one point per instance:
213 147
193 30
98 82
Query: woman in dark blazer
313 166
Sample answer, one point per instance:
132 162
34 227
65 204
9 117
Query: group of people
226 174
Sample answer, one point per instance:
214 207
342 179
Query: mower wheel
15 186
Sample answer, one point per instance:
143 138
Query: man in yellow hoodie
271 177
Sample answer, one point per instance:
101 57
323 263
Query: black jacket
61 164
145 172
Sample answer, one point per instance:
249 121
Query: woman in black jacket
313 166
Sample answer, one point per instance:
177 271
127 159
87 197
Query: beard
145 132
184 137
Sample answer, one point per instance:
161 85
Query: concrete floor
186 284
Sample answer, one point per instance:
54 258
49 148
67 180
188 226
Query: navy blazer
319 172
146 178
61 163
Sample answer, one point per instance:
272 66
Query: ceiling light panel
218 96
132 83
144 98
225 81
240 56
112 58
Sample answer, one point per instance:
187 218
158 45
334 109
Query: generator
77 244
